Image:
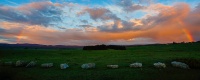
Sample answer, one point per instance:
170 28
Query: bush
104 47
192 63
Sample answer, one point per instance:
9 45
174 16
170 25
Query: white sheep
9 63
113 66
47 65
20 63
180 65
159 65
31 64
64 66
136 65
88 65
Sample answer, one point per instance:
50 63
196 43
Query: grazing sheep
159 65
64 66
47 65
20 63
31 64
113 66
9 63
180 65
88 65
136 65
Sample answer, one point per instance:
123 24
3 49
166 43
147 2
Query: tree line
104 47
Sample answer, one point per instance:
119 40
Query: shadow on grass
7 74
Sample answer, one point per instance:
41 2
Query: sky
92 22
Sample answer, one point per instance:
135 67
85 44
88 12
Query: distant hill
173 43
97 47
35 46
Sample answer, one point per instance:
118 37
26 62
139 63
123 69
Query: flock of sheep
92 65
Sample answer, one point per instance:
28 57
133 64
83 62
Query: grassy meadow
147 55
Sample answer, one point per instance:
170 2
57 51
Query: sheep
9 63
113 66
180 65
47 65
64 66
20 63
84 66
88 65
136 65
31 64
159 65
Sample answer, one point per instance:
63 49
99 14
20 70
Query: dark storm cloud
36 13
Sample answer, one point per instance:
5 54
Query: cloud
129 5
11 2
10 32
166 26
167 15
170 23
2 30
119 26
193 22
7 39
46 35
85 26
194 17
135 41
98 25
146 1
99 13
35 13
84 21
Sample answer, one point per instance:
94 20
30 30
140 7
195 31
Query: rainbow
188 35
186 32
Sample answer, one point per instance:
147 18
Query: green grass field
75 58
